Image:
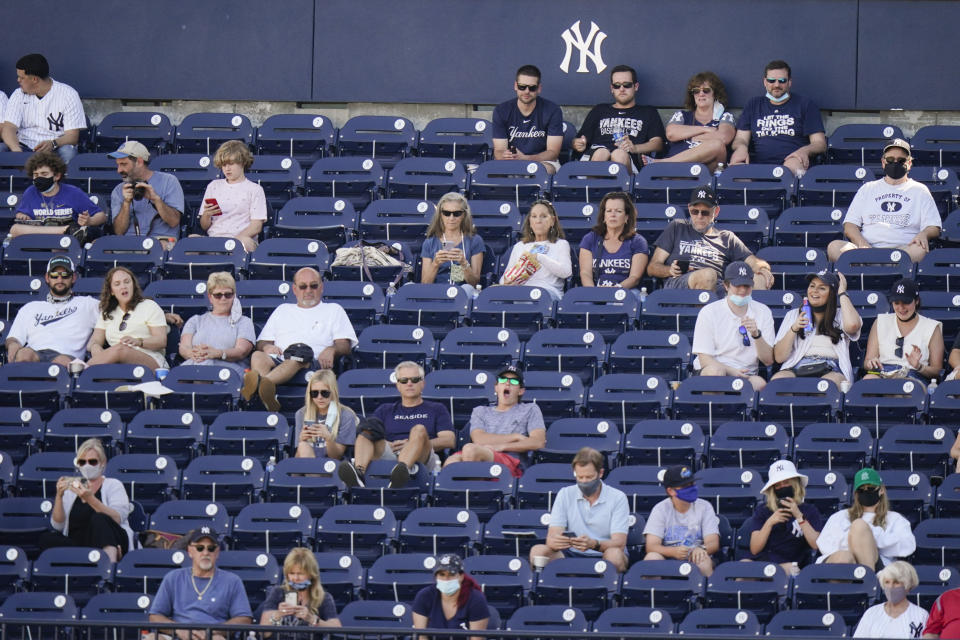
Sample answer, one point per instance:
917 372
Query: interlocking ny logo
573 38
701 194
743 271
899 290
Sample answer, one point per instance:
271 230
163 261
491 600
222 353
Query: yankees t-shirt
62 208
890 215
714 249
38 119
398 420
786 542
875 623
686 118
527 133
640 122
64 327
777 130
610 269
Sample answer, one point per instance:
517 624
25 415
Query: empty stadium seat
387 139
396 219
341 575
364 302
303 136
635 621
711 400
795 402
330 220
937 145
67 428
844 448
832 185
260 434
807 623
182 516
355 179
547 618
203 389
204 132
39 473
720 622
916 447
558 394
768 186
874 269
463 139
754 445
93 172
274 527
642 485
577 351
28 255
79 572
879 403
439 530
810 226
674 587
518 181
483 488
584 181
662 442
860 144
566 436
524 310
588 583
441 307
377 613
149 479
360 530
674 309
259 298
759 587
938 542
426 178
513 532
845 589
609 311
670 182
109 608
175 433
540 483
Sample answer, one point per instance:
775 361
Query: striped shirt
39 119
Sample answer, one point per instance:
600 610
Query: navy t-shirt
712 250
610 269
777 130
527 133
687 118
398 419
427 603
63 208
640 122
786 542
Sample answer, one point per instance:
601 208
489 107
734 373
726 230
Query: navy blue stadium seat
194 171
566 436
647 351
377 491
832 185
197 258
945 307
548 617
260 434
28 255
826 489
387 345
67 428
488 348
670 182
399 576
518 181
40 386
948 497
609 311
483 488
274 527
397 219
937 145
584 181
306 481
909 492
426 178
635 621
364 302
720 622
874 269
204 132
513 532
12 176
916 447
231 480
384 138
733 491
868 304
441 307
810 226
628 397
674 309
16 291
764 185
664 442
558 394
942 183
463 139
363 531
7 476
577 351
184 297
540 483
93 173
377 613
795 402
876 404
754 445
844 448
53 607
938 542
108 608
79 572
642 484
653 218
674 587
22 520
460 390
860 144
303 136
846 589
182 516
749 222
588 583
357 180
363 390
257 570
506 580
759 587
331 220
280 176
934 580
524 310
148 478
711 400
341 575
259 298
204 389
807 623
141 255
935 269
439 530
577 219
176 433
498 223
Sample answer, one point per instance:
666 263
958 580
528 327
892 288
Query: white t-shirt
890 215
46 118
717 334
875 623
316 326
801 347
240 202
145 315
64 327
688 529
894 541
554 258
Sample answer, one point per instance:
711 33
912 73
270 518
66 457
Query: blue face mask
448 587
688 494
299 586
740 301
779 100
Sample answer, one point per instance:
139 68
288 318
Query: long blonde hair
799 493
304 559
329 378
880 515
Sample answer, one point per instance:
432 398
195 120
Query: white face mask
91 472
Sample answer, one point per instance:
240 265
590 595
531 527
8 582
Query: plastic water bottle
252 635
809 313
391 290
932 386
643 295
719 169
271 465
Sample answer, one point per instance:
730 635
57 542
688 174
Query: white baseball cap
783 470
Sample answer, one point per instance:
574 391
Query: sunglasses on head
209 547
63 275
312 285
898 352
123 321
414 380
778 80
621 85
527 87
222 295
93 462
703 90
323 393
891 160
512 381
455 213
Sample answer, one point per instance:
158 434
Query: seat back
498 223
938 542
838 447
28 254
605 310
38 474
757 586
513 532
524 310
754 445
875 269
662 442
827 490
832 185
141 255
364 302
811 226
732 491
634 620
184 297
97 388
203 389
799 401
439 530
117 607
670 182
557 393
308 482
460 390
93 172
721 622
197 258
427 178
769 186
341 575
281 258
400 576
363 531
845 589
642 484
505 580
566 436
303 136
860 144
876 404
357 180
172 432
663 584
578 351
587 582
518 181
628 397
486 348
384 138
937 145
260 434
182 516
916 447
548 617
463 139
148 478
538 486
648 351
76 571
272 526
330 220
674 309
749 222
807 624
483 488
68 428
712 400
22 520
204 132
441 307
577 219
583 181
232 480
377 613
258 570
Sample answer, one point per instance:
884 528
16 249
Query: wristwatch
756 337
55 145
223 355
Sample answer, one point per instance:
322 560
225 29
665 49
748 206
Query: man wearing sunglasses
622 131
693 253
894 212
505 433
530 127
779 127
411 431
733 335
55 329
311 324
201 593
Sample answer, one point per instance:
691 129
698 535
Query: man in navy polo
530 127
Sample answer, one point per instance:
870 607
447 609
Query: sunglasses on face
898 352
312 285
209 547
700 212
123 321
703 90
527 87
890 160
93 462
621 85
778 80
225 294
59 274
456 213
512 381
414 380
323 393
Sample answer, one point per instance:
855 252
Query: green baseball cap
866 476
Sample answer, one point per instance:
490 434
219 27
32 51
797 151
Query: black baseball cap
203 532
515 370
63 262
703 195
827 277
678 476
904 290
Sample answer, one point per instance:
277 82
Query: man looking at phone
530 127
507 432
683 526
310 333
201 593
411 431
692 253
147 203
589 519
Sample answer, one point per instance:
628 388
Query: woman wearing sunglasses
324 426
703 130
904 343
90 510
542 257
133 327
452 251
223 336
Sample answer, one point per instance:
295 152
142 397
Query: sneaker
349 474
251 380
399 477
268 394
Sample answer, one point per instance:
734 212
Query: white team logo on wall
574 39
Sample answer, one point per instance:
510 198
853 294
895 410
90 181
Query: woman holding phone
301 600
325 428
452 251
234 206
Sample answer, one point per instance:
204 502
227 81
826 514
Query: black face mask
783 492
868 497
43 184
895 170
818 308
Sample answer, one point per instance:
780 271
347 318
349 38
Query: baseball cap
678 475
827 277
903 290
60 261
449 562
738 273
783 470
131 148
703 195
899 143
203 532
514 370
866 476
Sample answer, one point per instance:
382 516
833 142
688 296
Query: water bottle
271 465
932 386
719 169
643 295
617 135
252 635
809 313
391 290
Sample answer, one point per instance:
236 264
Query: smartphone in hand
213 203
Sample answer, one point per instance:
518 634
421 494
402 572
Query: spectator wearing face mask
683 526
897 617
454 601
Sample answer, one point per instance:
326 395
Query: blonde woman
223 336
314 607
867 533
897 617
234 206
774 525
324 426
452 251
90 510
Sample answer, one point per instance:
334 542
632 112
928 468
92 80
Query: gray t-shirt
346 435
682 529
144 219
714 249
220 332
520 418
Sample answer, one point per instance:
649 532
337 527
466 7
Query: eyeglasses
60 274
700 212
222 295
890 160
324 393
744 335
703 90
123 321
777 80
414 380
898 352
512 381
456 213
621 85
209 547
312 285
527 87
93 462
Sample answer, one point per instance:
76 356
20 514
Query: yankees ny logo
899 290
573 38
743 271
55 122
701 194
